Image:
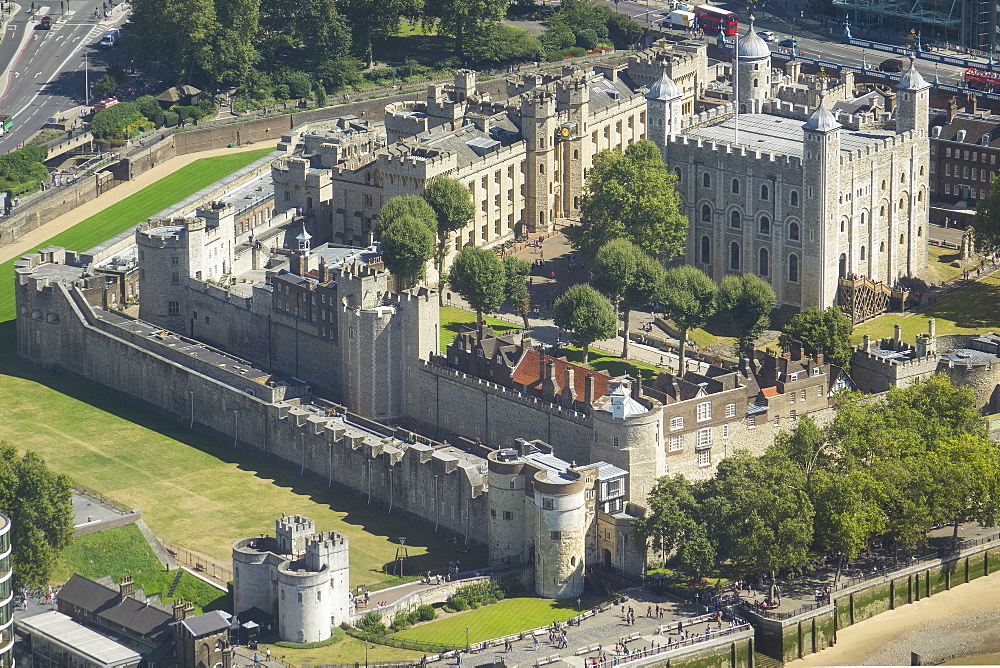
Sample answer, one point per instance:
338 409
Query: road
651 12
46 75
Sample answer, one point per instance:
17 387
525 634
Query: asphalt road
46 75
652 12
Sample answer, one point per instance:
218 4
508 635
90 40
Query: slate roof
975 127
134 616
206 624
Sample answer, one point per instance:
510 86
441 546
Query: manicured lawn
615 365
939 262
348 650
508 616
974 308
133 210
454 319
124 551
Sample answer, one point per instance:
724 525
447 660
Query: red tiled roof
526 373
770 392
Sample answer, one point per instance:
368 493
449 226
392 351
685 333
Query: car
891 65
787 43
45 23
766 35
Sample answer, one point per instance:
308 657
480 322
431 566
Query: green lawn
972 309
124 551
454 319
615 365
508 616
133 210
348 650
939 262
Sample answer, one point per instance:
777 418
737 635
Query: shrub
171 118
372 623
459 603
399 622
118 123
498 43
587 39
426 613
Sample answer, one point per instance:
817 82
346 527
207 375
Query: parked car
891 65
766 35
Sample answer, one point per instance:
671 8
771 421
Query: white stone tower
291 533
911 107
169 252
538 111
821 165
663 109
507 508
754 70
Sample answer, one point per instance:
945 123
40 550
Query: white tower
663 108
754 58
821 166
303 239
911 108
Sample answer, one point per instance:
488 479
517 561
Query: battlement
728 147
527 400
326 538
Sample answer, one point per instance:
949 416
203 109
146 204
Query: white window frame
704 411
676 422
675 443
730 410
704 458
703 438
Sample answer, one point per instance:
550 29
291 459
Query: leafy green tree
371 19
672 511
689 296
39 503
453 209
458 18
496 43
965 484
405 205
746 301
848 514
588 314
633 196
338 73
620 267
320 92
239 29
478 275
117 123
986 223
827 330
516 273
696 553
106 86
406 246
762 518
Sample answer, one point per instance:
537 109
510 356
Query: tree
453 209
624 271
516 291
827 330
478 275
105 86
496 43
39 503
672 511
459 17
585 312
696 553
689 296
762 518
370 19
405 205
848 514
986 223
965 483
746 301
631 195
239 28
406 246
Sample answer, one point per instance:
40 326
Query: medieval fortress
265 316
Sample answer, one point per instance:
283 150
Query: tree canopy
828 330
478 275
406 246
39 504
986 223
629 276
631 195
689 297
453 209
588 314
516 290
746 301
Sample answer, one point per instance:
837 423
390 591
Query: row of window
765 191
958 190
763 260
975 174
763 224
974 156
703 412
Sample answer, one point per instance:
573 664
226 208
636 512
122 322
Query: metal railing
199 562
102 499
670 646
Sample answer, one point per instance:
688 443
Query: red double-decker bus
714 20
981 79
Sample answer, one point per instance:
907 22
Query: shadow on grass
370 519
971 307
616 366
426 49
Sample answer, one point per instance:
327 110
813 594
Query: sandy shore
964 621
68 220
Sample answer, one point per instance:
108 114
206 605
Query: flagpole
86 81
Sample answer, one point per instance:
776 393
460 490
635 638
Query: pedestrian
534 638
268 653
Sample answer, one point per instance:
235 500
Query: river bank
964 621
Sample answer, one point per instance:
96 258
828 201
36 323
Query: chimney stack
866 344
796 351
588 389
897 335
324 272
126 588
952 108
970 105
568 393
820 357
179 610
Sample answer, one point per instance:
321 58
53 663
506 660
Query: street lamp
366 653
466 638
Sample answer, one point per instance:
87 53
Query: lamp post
366 654
466 638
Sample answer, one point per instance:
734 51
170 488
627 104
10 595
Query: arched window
901 239
764 193
862 218
706 250
734 256
881 247
541 169
920 231
755 83
842 222
706 180
921 170
902 203
765 225
902 177
762 263
793 232
862 253
706 213
920 196
576 154
881 212
793 268
735 220
677 171
736 186
793 199
883 184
